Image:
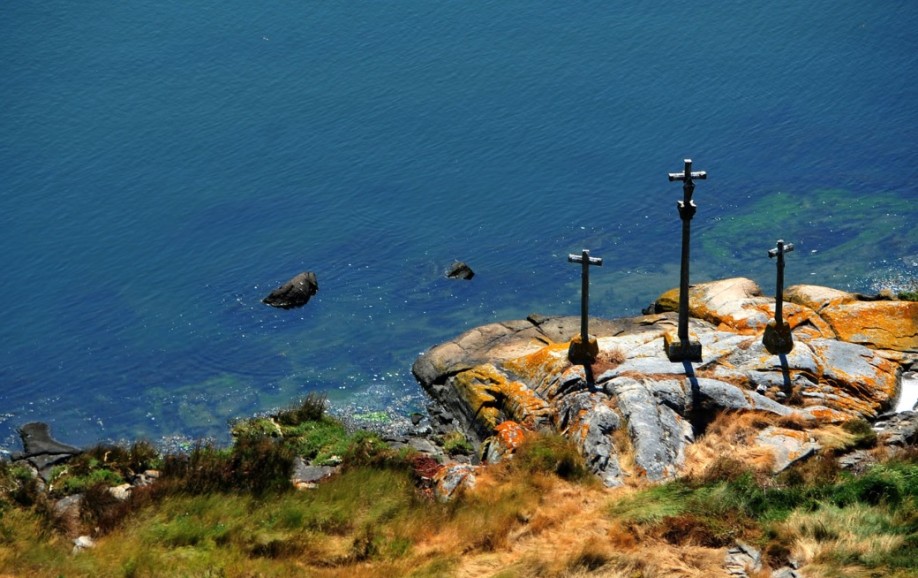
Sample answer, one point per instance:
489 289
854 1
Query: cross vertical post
681 347
777 338
585 349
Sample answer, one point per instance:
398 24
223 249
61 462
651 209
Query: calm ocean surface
164 165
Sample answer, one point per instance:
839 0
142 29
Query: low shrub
20 485
143 456
261 465
71 484
367 449
202 470
819 470
551 453
105 464
878 485
723 469
99 509
455 442
310 408
256 427
863 433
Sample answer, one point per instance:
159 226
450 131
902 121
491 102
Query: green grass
231 512
869 521
456 443
365 515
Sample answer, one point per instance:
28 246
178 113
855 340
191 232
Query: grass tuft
550 453
310 409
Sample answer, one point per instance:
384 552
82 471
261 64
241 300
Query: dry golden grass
730 435
624 447
571 535
820 538
608 359
832 437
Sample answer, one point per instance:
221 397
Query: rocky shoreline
494 383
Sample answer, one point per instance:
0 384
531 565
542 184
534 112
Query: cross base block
583 353
678 350
778 338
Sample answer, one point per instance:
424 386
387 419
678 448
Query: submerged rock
460 270
295 292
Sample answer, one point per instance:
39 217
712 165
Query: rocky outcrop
633 412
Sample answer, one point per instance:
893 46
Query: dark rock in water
41 450
460 270
37 440
295 292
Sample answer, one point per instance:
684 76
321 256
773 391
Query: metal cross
779 252
585 260
686 212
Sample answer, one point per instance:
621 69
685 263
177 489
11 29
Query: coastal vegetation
233 511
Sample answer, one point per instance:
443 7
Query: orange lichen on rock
805 321
491 396
510 434
731 304
825 415
524 405
876 324
481 388
539 368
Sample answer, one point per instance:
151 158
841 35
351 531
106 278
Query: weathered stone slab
657 433
42 451
734 303
305 475
787 446
900 430
598 424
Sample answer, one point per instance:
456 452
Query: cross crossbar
781 249
687 175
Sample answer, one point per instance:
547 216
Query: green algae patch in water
836 233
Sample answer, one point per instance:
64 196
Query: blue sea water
164 165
